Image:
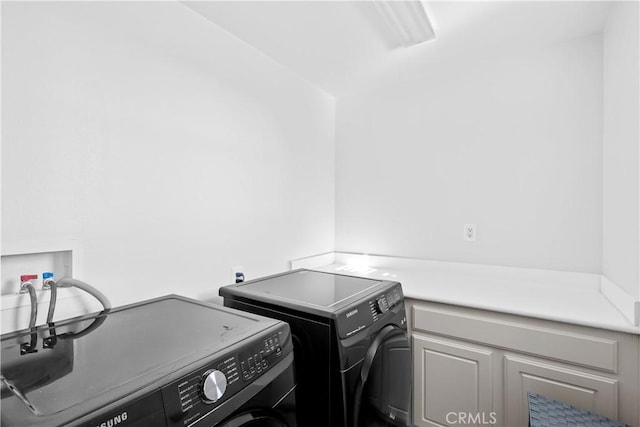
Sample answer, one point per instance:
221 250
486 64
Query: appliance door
260 418
383 391
274 406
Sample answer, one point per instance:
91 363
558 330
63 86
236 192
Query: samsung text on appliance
115 420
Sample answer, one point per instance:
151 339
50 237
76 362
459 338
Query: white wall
621 215
171 149
512 143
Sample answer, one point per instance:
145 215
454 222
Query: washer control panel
195 396
214 385
364 314
256 361
382 303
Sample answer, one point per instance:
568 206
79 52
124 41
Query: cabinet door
593 393
452 380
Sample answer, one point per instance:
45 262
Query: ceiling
345 47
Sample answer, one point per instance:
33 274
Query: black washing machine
170 362
353 356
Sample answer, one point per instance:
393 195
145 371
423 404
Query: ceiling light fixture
408 20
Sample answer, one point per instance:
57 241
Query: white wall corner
625 303
314 261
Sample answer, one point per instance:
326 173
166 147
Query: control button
214 385
268 346
252 366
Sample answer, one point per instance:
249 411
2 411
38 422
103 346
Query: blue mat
545 412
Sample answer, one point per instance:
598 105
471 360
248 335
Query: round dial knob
214 385
383 306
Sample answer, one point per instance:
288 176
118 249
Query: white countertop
560 296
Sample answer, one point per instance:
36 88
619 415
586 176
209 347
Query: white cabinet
594 393
450 379
480 365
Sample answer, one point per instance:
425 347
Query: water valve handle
47 280
27 277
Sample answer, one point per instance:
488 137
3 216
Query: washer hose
34 304
30 347
52 302
68 282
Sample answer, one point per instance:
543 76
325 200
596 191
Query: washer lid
118 353
326 291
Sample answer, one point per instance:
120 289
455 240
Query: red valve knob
26 277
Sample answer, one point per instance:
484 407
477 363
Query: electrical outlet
237 274
470 232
